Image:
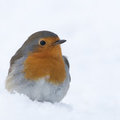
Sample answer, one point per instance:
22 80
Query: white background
92 30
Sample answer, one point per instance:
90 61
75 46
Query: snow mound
20 107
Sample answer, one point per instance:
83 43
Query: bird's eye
42 42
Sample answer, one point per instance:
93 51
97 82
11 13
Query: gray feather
67 63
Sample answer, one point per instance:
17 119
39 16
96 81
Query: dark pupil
42 42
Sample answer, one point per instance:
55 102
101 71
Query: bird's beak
59 42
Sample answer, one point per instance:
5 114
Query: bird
39 70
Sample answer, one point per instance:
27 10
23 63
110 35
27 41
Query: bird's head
42 42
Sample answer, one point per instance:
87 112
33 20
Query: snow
92 30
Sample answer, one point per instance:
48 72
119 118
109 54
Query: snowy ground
92 30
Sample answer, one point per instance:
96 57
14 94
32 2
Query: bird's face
49 43
42 42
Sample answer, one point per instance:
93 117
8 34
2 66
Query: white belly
43 91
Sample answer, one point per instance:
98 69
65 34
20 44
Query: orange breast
37 66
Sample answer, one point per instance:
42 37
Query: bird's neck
48 63
49 52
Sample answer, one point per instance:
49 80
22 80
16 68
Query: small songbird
39 70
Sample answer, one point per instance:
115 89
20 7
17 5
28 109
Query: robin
39 70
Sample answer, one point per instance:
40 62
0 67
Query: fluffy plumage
40 72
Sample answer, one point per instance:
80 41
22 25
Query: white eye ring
42 42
